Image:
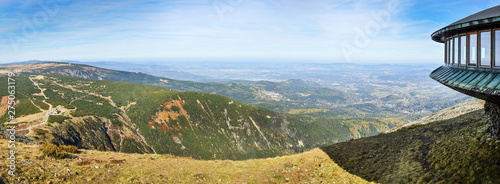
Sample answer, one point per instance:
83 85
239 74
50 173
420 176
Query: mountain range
101 109
456 150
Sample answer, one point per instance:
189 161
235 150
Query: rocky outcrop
6 133
87 133
493 111
98 133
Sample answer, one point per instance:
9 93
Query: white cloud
277 29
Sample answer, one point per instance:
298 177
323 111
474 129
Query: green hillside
362 99
138 118
457 150
275 96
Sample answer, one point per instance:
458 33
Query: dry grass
109 167
451 112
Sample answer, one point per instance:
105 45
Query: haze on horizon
357 31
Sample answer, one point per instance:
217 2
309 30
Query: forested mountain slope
291 94
130 117
456 150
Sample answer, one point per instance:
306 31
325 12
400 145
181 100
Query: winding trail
112 103
36 105
108 98
48 112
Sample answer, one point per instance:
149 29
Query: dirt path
36 105
112 103
48 112
108 98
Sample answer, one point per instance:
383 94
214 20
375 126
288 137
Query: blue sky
328 31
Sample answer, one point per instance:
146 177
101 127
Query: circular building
472 60
472 55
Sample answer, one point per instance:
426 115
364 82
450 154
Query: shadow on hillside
457 150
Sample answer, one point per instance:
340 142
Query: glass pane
485 48
463 49
445 45
455 50
473 49
497 48
448 51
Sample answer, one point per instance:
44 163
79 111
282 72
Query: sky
315 31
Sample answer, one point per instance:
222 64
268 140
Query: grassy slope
210 136
110 167
81 93
457 150
451 112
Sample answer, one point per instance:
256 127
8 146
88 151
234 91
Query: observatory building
472 60
472 55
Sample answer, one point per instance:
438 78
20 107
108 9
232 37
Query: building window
463 50
448 58
497 48
455 51
446 52
485 49
473 49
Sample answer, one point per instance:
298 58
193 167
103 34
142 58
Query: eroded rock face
6 133
493 110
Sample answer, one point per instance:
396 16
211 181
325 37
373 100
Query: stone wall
493 110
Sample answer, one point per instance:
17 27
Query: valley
97 109
419 153
243 92
137 118
398 91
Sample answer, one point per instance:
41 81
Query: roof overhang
477 82
486 19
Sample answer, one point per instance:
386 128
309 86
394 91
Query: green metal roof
488 18
478 82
